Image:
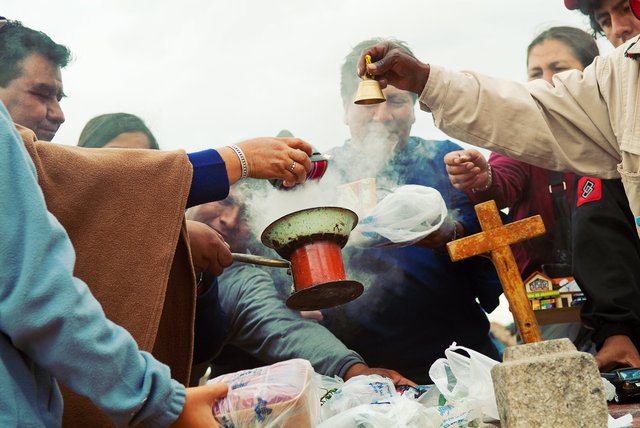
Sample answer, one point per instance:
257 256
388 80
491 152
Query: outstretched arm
270 158
214 171
559 122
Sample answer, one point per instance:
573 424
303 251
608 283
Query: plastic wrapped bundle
279 395
404 217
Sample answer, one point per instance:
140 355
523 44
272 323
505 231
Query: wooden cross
496 239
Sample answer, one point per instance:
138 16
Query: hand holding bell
369 91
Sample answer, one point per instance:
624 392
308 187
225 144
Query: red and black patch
589 189
627 53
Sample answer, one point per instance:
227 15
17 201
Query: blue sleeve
210 181
259 323
53 319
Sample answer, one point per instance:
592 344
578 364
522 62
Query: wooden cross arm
488 240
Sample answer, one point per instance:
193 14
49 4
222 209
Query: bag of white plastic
373 402
465 381
358 390
403 217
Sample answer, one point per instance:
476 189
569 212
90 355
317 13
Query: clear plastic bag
465 381
405 216
373 402
281 395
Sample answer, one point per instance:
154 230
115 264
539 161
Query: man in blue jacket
416 301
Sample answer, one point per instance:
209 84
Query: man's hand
617 351
467 169
209 250
361 369
440 237
197 406
393 65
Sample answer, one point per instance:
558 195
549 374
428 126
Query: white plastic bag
398 412
359 390
466 381
373 402
405 216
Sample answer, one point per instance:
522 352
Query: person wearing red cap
613 19
585 124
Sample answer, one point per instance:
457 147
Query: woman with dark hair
121 130
582 45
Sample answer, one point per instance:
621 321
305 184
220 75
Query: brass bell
369 91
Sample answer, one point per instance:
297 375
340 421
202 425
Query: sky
210 73
204 74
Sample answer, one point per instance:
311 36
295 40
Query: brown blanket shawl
124 212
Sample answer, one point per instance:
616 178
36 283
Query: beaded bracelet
243 160
489 182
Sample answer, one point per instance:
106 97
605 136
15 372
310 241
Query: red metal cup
316 263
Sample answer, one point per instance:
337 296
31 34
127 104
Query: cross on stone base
495 239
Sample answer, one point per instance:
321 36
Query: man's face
227 218
388 123
617 21
33 99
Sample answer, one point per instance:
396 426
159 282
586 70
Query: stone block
549 384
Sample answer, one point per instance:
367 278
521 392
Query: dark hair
582 45
588 7
104 128
349 79
18 42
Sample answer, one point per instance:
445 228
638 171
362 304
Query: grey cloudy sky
210 73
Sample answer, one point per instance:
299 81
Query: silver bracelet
243 160
489 182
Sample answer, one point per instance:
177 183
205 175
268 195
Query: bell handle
367 75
